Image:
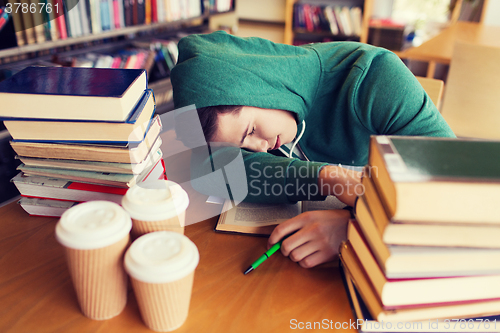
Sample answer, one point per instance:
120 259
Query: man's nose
259 145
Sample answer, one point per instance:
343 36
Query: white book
330 16
121 13
82 8
194 8
160 10
95 13
75 22
345 15
356 18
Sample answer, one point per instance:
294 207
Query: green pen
262 258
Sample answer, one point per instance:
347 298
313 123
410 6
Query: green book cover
427 158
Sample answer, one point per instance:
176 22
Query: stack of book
425 244
81 134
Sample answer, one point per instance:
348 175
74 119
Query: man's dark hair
208 120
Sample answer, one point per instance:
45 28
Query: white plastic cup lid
155 200
161 257
92 225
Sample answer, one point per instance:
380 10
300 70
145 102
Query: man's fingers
300 252
315 259
285 229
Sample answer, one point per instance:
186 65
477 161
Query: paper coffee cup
95 235
155 206
161 266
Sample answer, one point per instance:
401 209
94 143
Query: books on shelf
409 269
422 179
335 19
72 93
95 16
132 130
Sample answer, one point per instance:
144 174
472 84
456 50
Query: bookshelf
295 34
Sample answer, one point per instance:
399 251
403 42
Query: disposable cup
161 265
155 206
95 236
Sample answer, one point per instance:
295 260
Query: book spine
58 10
141 12
121 13
88 10
111 6
51 21
17 20
84 18
147 11
95 16
105 24
128 12
67 15
116 14
28 24
154 11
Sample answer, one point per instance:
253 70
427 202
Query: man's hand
317 236
343 183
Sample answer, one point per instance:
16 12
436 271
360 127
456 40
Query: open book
261 219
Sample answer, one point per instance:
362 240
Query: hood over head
222 69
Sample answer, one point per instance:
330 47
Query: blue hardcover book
72 93
133 130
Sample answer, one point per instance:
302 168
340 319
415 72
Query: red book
60 19
154 11
308 17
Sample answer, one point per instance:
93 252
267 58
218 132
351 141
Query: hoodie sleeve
276 179
261 177
390 100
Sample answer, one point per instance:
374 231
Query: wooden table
439 49
36 294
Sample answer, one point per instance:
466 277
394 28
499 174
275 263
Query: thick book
370 210
437 180
100 178
421 261
130 153
62 189
132 130
370 316
112 167
409 261
45 207
425 292
72 93
261 219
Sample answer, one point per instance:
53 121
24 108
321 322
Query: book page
330 202
255 215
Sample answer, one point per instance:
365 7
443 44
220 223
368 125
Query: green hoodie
344 91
